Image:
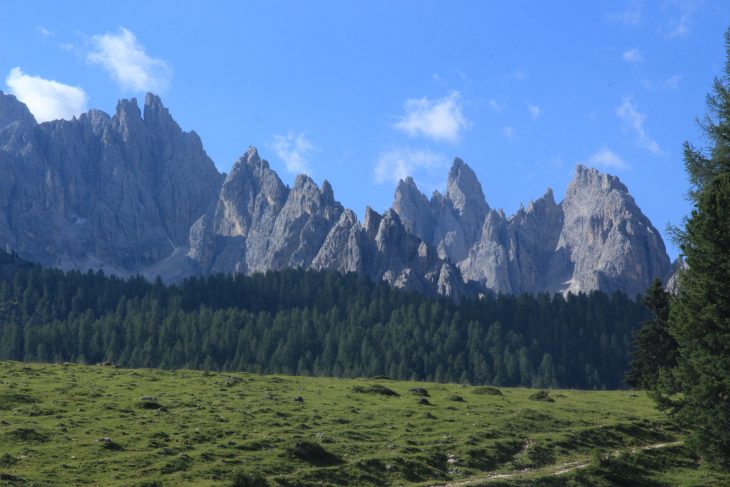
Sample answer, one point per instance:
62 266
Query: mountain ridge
132 193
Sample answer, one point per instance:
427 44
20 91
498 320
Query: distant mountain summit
134 194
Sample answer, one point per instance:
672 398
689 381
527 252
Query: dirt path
550 470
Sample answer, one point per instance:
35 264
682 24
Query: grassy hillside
101 425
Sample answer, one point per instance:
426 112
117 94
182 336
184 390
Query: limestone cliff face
118 193
259 224
597 238
133 193
612 245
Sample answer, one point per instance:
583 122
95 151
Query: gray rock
672 279
612 245
113 193
596 239
132 193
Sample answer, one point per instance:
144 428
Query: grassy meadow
101 425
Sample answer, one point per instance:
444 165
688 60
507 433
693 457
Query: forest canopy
315 323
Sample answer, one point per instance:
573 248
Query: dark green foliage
7 460
543 396
697 390
29 435
248 480
316 323
375 389
489 391
418 391
655 350
149 404
539 455
313 453
700 322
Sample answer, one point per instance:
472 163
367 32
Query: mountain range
132 193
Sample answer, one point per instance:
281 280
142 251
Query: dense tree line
304 322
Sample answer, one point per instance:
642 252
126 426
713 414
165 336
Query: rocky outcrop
133 193
595 239
672 279
259 224
611 244
117 193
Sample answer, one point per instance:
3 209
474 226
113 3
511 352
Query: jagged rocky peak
593 178
612 244
12 110
464 190
98 120
252 162
371 222
414 209
155 113
328 194
128 109
308 195
545 201
134 193
252 195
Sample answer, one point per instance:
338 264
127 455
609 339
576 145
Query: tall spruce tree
697 390
655 350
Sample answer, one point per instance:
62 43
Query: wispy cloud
441 119
397 164
46 99
535 111
606 158
670 83
634 120
509 134
128 63
44 32
294 150
494 104
679 25
630 16
632 56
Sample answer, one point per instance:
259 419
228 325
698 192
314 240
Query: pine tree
698 389
655 349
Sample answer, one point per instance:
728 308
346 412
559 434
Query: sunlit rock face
133 193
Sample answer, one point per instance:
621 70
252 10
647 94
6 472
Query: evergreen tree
655 349
700 322
698 389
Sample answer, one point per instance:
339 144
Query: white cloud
680 26
46 99
535 111
631 15
440 120
494 104
606 158
633 56
127 62
634 120
294 150
397 164
670 83
509 133
44 32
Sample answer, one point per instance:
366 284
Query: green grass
94 425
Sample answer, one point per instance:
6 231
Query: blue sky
364 92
